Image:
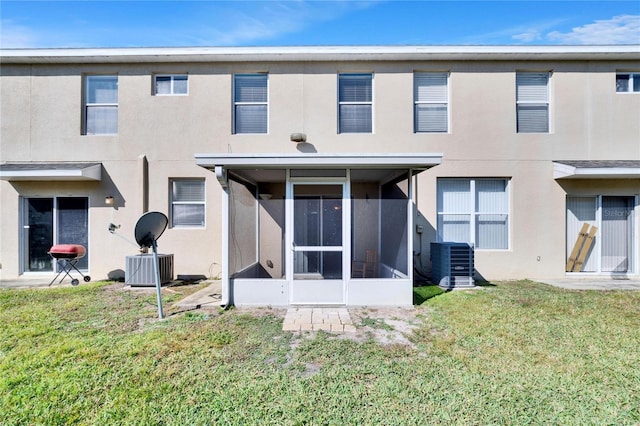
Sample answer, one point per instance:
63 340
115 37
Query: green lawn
513 353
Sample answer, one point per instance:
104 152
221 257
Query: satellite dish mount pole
156 269
148 229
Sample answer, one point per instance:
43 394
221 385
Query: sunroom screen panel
243 225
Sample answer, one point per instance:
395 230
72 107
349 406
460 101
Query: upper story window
431 102
474 211
187 203
101 105
628 82
171 84
250 103
355 103
532 102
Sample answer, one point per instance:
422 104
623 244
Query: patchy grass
516 353
377 323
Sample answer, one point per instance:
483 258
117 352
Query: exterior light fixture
298 137
108 200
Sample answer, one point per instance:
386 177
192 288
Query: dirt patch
387 326
116 286
262 311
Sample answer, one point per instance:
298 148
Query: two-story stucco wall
42 121
588 121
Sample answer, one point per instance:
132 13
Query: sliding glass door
617 233
612 248
49 221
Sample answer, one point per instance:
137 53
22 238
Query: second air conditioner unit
452 265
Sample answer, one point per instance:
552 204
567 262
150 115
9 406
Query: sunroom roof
419 161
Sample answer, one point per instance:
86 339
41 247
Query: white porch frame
393 291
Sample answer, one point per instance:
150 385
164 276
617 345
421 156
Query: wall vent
139 270
452 265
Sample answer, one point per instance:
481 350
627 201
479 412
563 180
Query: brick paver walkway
311 319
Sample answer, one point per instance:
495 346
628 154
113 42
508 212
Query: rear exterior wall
42 121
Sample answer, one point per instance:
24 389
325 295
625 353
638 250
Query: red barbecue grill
67 255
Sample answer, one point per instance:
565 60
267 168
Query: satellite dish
148 229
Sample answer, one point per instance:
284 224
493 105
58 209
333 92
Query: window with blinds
474 211
532 102
355 103
431 102
101 105
187 203
250 103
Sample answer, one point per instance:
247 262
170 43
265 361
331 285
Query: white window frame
632 77
472 212
417 102
542 102
253 103
202 202
87 105
172 78
370 103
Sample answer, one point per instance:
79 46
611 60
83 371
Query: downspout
143 163
221 175
410 240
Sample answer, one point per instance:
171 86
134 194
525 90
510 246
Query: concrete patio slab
206 298
594 283
36 282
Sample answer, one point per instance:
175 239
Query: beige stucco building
281 169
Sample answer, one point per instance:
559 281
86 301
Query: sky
146 23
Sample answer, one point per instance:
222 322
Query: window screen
628 82
431 102
474 211
101 105
355 103
532 102
171 84
250 96
187 203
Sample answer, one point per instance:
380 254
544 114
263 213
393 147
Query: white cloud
260 21
214 23
528 36
528 33
623 29
14 36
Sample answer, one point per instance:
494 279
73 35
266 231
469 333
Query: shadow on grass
484 284
423 293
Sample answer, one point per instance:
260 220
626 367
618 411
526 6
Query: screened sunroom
317 229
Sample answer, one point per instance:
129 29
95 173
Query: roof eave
317 54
